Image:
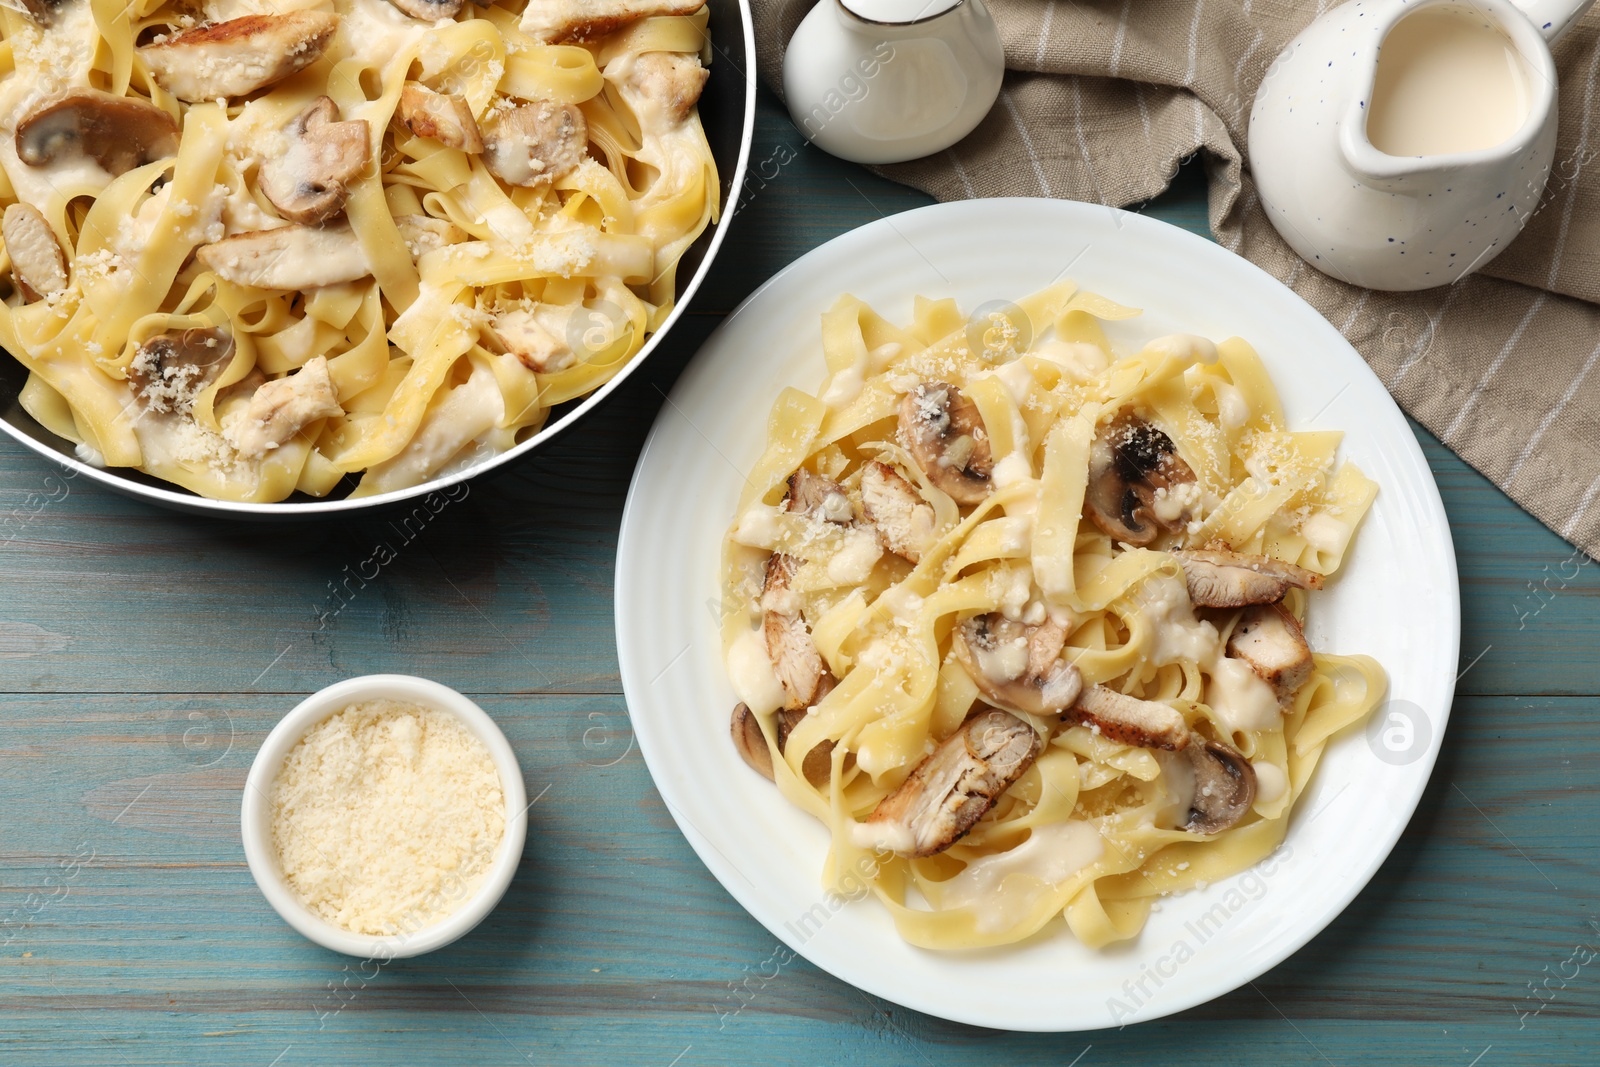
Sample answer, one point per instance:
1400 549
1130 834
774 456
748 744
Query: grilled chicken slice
1218 577
795 659
1270 640
904 521
290 257
1224 786
239 56
170 369
1015 666
1137 481
534 143
1131 721
941 428
38 265
441 117
280 409
819 497
953 787
662 87
537 337
118 132
554 21
424 233
309 181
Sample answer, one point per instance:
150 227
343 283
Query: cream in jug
1448 81
1402 144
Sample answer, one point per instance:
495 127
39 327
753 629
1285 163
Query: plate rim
733 880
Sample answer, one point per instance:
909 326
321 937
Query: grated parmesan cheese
386 816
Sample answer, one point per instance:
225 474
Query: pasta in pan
261 245
1020 620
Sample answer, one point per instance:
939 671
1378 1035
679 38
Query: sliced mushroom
750 742
117 132
280 409
795 659
534 143
1131 721
953 787
944 433
538 337
424 233
37 263
1270 640
41 13
554 21
1015 666
429 10
818 764
1224 786
819 497
171 369
442 117
1134 469
289 257
239 56
897 511
309 181
663 87
1222 578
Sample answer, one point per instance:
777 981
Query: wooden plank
613 927
130 712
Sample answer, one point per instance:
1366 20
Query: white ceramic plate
769 855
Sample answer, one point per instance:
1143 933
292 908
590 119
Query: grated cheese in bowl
386 816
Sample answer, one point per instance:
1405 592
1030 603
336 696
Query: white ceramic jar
883 81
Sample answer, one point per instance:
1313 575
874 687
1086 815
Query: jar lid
898 12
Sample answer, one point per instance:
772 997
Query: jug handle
1554 17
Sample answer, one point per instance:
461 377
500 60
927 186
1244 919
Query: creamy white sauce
1239 699
1005 661
1187 347
750 671
1447 81
852 563
1013 588
1017 379
1325 533
1170 502
1233 411
1049 856
1012 470
1175 634
1270 781
759 527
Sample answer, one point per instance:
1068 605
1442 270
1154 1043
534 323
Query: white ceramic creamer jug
883 81
1402 144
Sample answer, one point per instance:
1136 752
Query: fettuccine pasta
1020 619
259 246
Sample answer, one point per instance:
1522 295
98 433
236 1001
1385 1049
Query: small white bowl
256 823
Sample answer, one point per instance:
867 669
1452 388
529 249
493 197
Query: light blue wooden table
144 655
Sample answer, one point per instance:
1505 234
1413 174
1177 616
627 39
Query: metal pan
727 111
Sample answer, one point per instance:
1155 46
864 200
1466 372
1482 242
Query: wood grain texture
144 655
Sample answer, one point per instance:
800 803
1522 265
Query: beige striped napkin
1103 99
